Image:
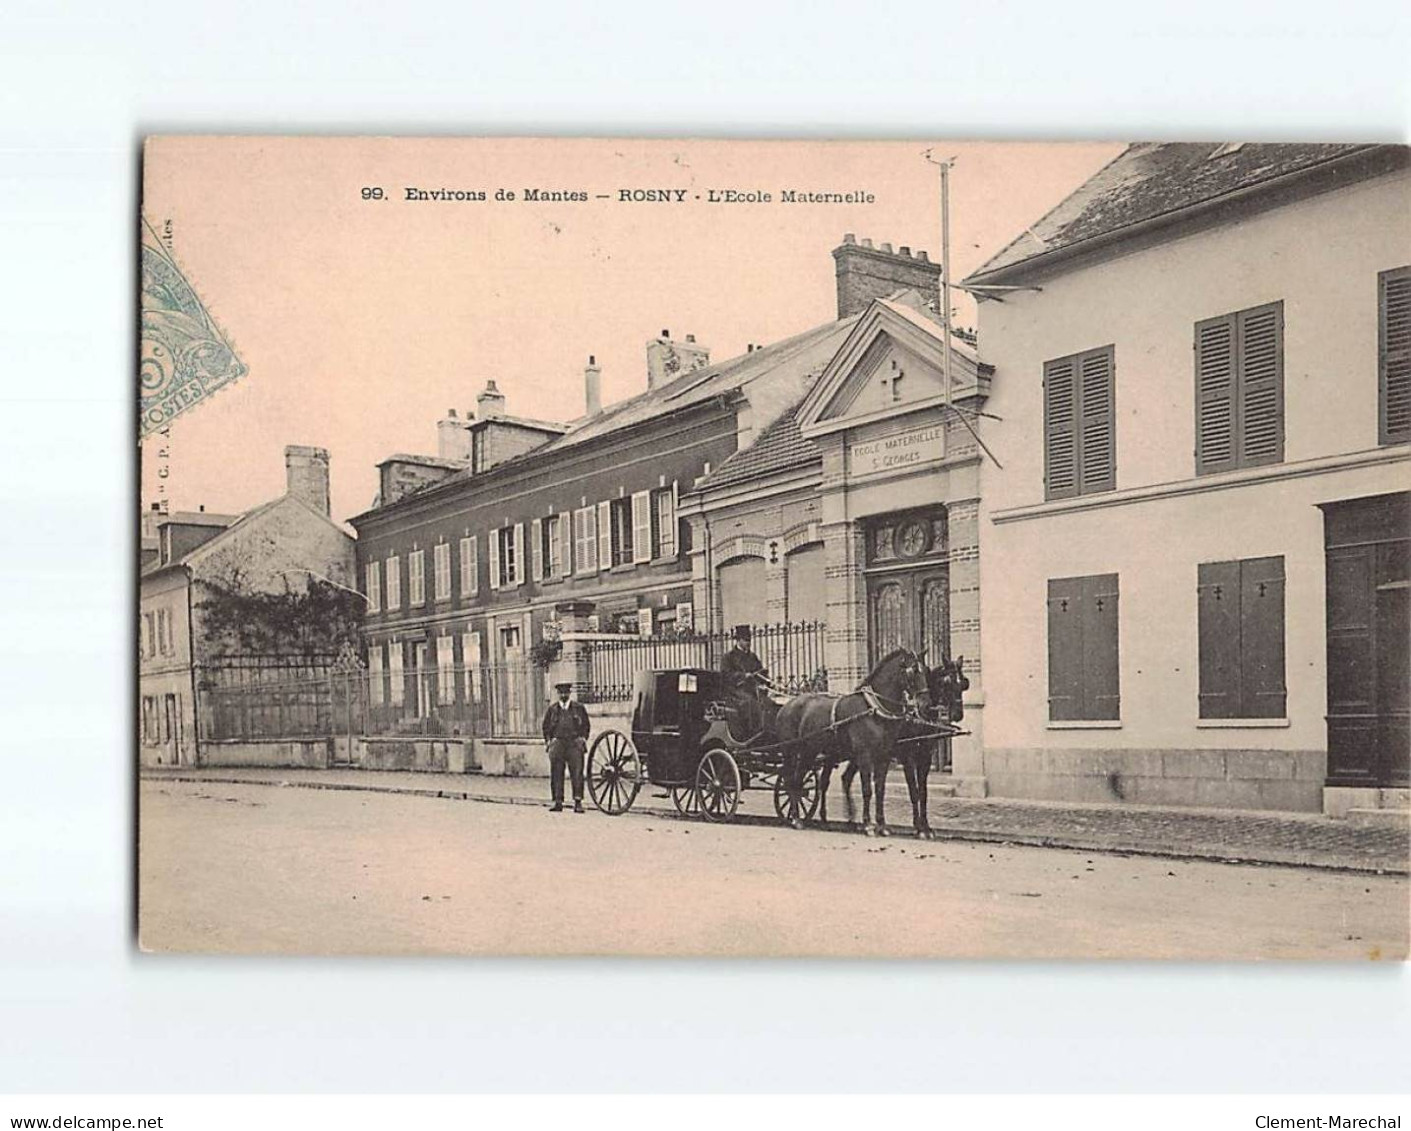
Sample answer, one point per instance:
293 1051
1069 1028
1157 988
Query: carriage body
674 716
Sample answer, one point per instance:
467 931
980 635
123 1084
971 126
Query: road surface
261 869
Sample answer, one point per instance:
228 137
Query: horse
946 684
860 727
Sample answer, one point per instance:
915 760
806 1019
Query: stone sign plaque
903 449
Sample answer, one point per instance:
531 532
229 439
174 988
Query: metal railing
792 654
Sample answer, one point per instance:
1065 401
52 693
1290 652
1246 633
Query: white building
1194 564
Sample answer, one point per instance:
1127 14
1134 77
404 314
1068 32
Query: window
620 550
416 578
148 644
605 538
1394 356
804 592
641 527
1239 390
585 540
445 670
373 585
1241 621
507 556
150 732
394 587
164 632
442 563
470 566
664 522
742 592
374 675
470 659
1080 443
398 688
1082 648
553 545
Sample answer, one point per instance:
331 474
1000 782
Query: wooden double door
909 608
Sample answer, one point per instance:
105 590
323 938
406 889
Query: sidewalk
1309 840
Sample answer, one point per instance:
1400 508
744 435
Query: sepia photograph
745 548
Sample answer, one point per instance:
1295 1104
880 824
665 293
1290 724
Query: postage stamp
184 356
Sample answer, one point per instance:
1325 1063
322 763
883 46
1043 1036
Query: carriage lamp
773 553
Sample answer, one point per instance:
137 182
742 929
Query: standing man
566 735
744 675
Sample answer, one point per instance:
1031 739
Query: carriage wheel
801 807
688 801
614 773
718 785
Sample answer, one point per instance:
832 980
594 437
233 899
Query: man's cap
743 632
563 687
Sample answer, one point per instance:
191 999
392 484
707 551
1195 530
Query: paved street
254 868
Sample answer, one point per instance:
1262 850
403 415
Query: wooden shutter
1260 351
1097 455
1065 648
1100 661
1394 355
642 526
1060 429
1262 691
495 558
518 554
536 546
1215 395
1218 628
605 536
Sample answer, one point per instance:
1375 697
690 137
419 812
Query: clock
913 539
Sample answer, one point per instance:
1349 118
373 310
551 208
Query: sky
362 320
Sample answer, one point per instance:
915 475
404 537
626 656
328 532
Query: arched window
805 600
742 592
888 608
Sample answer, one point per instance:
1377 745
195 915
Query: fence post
572 663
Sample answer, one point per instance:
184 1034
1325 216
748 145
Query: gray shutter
1263 694
1097 460
1101 676
1060 429
1260 349
1065 648
1394 355
1215 395
1218 627
536 548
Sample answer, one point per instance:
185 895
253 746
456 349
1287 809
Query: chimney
491 403
866 273
667 360
453 437
306 472
592 387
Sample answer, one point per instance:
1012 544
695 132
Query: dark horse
860 728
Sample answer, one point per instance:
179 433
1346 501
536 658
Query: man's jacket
577 716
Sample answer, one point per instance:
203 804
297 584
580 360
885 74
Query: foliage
318 620
545 652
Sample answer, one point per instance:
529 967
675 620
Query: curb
1210 853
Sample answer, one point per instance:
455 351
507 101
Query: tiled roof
1148 181
780 447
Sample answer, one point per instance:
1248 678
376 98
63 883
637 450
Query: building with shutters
1195 574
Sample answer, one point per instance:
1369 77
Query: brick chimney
490 405
592 387
306 473
453 437
866 273
667 360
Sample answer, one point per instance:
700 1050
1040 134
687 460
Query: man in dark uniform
744 677
566 734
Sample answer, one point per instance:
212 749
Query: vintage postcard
770 548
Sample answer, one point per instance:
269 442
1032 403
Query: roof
780 447
198 518
242 523
1150 181
519 422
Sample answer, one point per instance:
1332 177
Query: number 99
372 194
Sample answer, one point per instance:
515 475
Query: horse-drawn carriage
682 741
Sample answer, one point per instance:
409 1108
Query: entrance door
909 609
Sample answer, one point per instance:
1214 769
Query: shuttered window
537 548
374 587
1239 390
585 540
1082 649
470 566
1394 355
1241 623
416 578
394 583
605 536
441 560
1080 441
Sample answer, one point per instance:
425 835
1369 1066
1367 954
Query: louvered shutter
1262 689
1215 395
1394 334
495 559
1097 460
1260 351
642 526
518 554
536 547
1100 658
1060 429
566 547
1065 648
1218 629
605 536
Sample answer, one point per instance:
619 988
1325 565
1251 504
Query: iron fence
477 700
792 655
267 697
